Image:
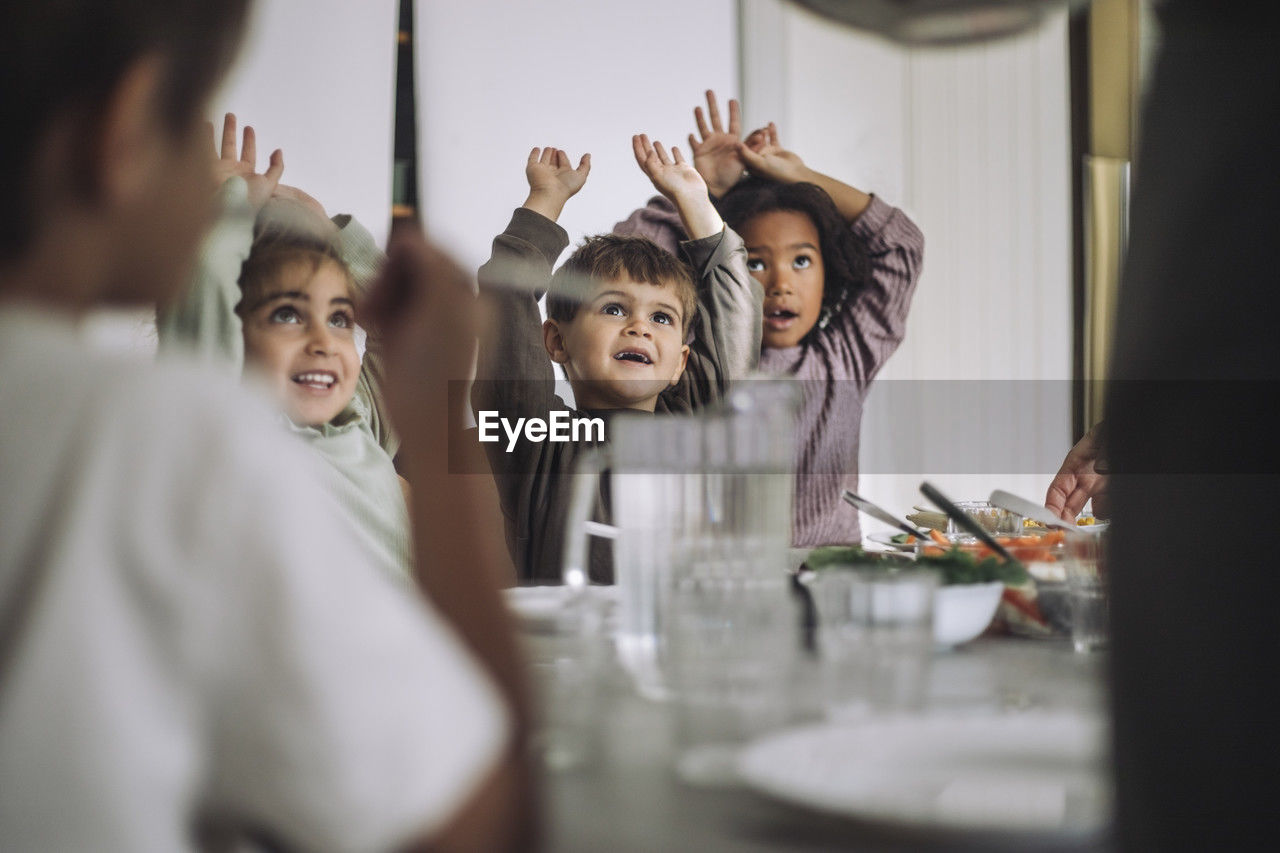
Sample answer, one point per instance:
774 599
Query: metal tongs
880 514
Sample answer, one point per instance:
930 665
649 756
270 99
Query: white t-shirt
191 641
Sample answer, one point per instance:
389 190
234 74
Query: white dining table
627 794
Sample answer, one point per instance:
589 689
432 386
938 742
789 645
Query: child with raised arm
274 295
651 334
838 267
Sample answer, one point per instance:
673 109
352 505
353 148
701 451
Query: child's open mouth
780 318
316 380
633 355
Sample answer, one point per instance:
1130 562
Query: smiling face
622 348
784 254
300 335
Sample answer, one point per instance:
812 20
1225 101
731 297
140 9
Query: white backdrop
497 78
316 78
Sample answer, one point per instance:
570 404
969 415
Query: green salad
955 566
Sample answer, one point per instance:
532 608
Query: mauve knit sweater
836 364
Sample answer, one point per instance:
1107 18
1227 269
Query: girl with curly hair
838 267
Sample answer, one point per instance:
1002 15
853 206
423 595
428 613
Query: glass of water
875 638
1087 589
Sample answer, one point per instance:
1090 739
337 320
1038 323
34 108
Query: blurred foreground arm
424 310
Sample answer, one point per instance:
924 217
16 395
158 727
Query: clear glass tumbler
875 638
1088 593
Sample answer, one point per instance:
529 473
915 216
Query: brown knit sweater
835 365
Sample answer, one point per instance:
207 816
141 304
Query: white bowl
963 611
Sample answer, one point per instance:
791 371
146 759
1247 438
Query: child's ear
124 148
684 360
553 340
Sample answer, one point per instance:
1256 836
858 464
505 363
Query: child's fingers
562 159
693 144
533 155
275 166
676 156
773 135
229 136
249 148
662 153
714 109
638 149
751 158
735 117
701 121
584 165
757 138
548 156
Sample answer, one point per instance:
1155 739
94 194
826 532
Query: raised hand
297 196
293 208
227 163
680 182
671 174
765 157
716 155
553 180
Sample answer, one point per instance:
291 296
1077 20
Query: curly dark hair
844 259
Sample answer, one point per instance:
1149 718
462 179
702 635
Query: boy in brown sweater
648 333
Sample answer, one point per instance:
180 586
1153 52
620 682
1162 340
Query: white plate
886 539
1041 772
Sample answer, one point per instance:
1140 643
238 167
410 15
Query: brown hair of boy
608 257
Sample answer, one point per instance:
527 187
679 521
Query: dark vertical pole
404 182
1078 81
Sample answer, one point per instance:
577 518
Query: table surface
627 794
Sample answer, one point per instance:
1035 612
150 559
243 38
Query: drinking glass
727 653
875 638
567 654
1087 591
701 503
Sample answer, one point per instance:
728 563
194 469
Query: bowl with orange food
1034 601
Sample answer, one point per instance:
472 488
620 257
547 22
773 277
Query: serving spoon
1025 508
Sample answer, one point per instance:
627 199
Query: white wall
316 79
974 144
497 78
